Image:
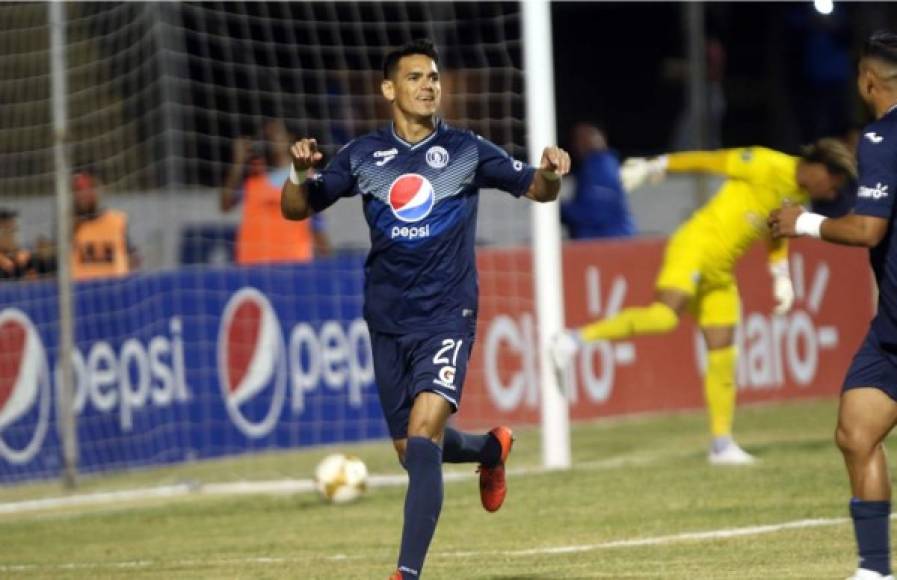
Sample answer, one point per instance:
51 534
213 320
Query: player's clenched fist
305 154
783 221
556 160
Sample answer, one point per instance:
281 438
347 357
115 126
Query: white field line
709 535
661 540
275 487
94 499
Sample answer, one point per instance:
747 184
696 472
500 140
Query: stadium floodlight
824 7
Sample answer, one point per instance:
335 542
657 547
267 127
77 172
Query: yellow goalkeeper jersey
758 180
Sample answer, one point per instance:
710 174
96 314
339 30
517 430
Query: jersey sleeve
746 163
878 178
499 170
334 182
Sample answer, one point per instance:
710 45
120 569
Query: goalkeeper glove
782 289
636 171
564 346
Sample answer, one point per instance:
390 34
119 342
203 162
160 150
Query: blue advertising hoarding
190 364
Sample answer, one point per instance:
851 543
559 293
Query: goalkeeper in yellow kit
698 268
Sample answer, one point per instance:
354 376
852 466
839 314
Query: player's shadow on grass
311 501
761 450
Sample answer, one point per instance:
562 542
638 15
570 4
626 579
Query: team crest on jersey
411 197
437 157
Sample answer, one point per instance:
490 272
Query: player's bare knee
427 427
429 416
718 337
855 441
676 300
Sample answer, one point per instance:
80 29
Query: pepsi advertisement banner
190 364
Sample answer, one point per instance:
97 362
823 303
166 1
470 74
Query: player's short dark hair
8 214
881 45
422 46
832 153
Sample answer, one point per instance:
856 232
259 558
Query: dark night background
784 72
609 69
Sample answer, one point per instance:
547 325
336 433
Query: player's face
416 89
821 184
277 135
85 194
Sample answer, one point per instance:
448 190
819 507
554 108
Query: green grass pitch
639 486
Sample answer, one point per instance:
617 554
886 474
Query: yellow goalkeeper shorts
713 291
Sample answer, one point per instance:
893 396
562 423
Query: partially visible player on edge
419 180
868 407
698 269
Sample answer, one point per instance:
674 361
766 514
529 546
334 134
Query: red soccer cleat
396 575
493 487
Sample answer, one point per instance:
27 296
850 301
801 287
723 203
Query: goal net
172 108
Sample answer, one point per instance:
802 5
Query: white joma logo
877 192
875 138
387 156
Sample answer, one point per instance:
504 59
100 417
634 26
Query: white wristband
662 162
809 224
295 177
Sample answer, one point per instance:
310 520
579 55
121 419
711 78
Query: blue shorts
873 366
406 365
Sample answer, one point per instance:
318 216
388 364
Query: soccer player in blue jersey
868 409
419 180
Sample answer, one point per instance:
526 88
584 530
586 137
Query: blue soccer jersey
420 203
877 160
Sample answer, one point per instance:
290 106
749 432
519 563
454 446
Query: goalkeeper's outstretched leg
717 310
659 317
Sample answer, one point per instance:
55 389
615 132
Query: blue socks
458 447
871 525
423 502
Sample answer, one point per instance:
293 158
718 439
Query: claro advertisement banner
799 355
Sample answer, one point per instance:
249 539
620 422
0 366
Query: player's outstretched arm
851 230
294 203
547 181
637 171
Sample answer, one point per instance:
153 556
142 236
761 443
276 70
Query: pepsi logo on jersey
411 198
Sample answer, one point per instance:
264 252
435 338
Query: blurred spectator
43 256
15 262
100 246
599 208
686 134
256 178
